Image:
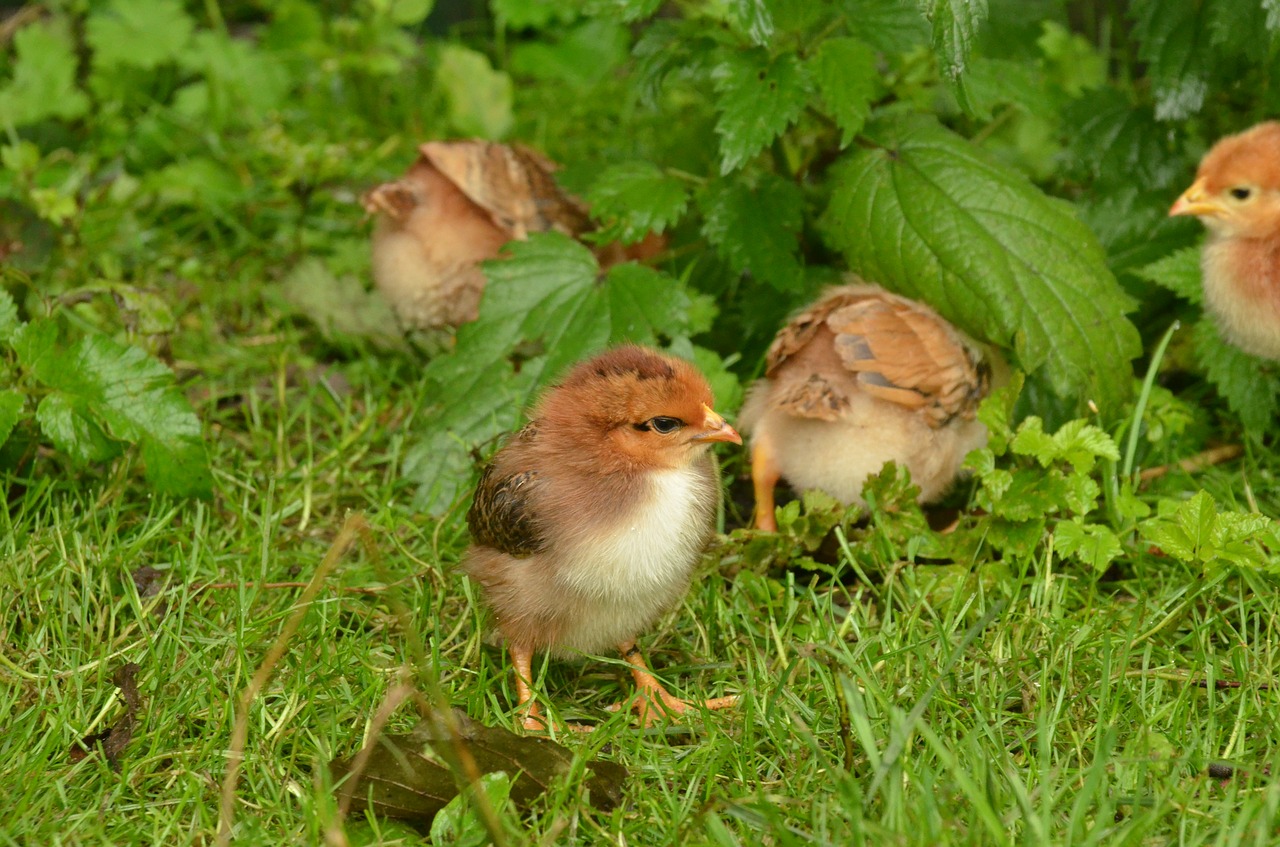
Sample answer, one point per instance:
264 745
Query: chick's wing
503 514
906 354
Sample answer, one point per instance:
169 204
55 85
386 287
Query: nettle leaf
138 33
891 26
636 198
753 18
546 303
931 216
756 228
1178 272
44 76
1117 142
848 79
1251 386
9 322
758 98
1092 544
1174 39
12 404
105 390
955 25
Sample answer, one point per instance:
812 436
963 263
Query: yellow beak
1196 200
715 428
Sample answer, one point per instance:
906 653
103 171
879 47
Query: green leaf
531 14
1174 40
458 823
848 79
891 26
547 303
636 198
1033 441
1092 544
1116 142
929 215
104 388
756 228
480 99
240 81
9 322
752 17
955 25
1178 272
1250 385
138 33
44 76
757 98
12 403
1081 444
410 12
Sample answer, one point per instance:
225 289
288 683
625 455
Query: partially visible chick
454 208
587 524
1236 194
860 378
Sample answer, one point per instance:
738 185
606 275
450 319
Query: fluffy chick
860 378
587 524
457 205
1236 194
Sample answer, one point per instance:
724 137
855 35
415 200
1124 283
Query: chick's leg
764 478
655 702
522 660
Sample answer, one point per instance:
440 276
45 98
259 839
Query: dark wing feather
502 514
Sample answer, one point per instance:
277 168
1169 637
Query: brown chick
587 524
1236 194
860 378
458 204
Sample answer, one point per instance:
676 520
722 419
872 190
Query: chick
1236 194
587 524
860 378
457 205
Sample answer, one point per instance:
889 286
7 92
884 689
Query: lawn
1065 651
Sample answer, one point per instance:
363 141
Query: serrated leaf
480 99
1080 493
101 385
955 24
1116 142
9 322
756 228
44 76
545 298
1251 386
12 404
636 198
752 17
1092 544
757 99
929 215
1081 444
73 430
847 77
892 26
1174 40
1032 440
138 33
1178 272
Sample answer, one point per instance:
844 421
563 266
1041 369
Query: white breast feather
639 570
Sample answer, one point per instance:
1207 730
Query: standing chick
860 378
1236 194
454 208
587 524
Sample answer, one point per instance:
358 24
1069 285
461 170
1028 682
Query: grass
926 705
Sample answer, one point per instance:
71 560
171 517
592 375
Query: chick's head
634 409
1236 192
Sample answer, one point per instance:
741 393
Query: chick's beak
715 428
1196 200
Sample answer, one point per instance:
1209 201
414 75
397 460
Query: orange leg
655 702
522 659
764 477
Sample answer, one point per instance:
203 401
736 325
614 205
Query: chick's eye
1240 192
665 425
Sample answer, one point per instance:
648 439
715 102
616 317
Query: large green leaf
139 33
636 198
756 228
927 214
845 69
955 25
546 307
104 388
44 76
1174 40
